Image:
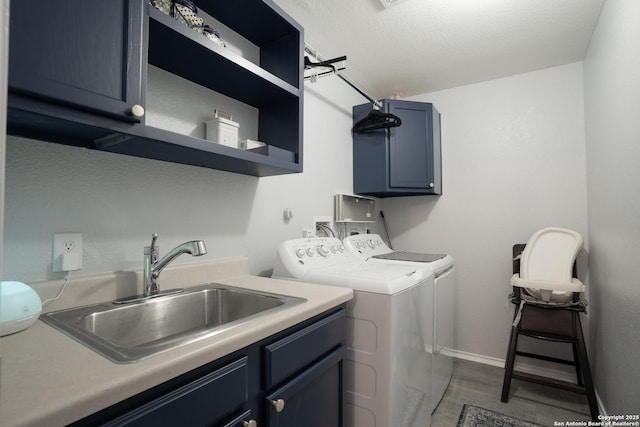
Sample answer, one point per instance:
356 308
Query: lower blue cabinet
291 379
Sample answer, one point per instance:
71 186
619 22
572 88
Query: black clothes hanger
308 64
376 119
324 64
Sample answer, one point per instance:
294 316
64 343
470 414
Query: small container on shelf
163 6
186 12
222 130
250 144
260 147
213 35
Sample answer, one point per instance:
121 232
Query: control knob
322 250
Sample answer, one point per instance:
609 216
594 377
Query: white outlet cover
322 219
74 259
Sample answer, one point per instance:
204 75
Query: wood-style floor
481 385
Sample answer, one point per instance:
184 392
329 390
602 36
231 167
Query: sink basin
126 333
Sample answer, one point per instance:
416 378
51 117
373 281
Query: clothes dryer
387 372
372 247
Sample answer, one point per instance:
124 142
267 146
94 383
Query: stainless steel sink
128 333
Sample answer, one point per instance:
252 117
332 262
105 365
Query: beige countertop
49 379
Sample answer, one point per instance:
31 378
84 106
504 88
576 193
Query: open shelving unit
269 81
274 87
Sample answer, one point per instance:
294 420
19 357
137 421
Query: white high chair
548 306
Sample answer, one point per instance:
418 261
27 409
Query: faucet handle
154 237
153 250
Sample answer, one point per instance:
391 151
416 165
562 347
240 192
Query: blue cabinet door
315 398
79 53
411 154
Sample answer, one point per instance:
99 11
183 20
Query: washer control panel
366 244
315 252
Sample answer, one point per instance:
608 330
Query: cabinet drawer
289 355
206 401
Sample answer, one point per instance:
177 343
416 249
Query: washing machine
372 247
387 369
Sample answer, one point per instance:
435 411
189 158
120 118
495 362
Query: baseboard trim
523 367
473 357
520 366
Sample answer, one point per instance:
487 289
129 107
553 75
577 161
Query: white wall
117 202
612 112
513 162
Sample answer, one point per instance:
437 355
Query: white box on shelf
222 131
251 144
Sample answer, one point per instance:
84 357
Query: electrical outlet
67 252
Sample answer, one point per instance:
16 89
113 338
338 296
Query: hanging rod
308 49
325 73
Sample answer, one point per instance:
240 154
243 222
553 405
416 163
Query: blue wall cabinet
85 54
78 76
294 378
399 161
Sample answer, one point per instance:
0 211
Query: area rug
474 416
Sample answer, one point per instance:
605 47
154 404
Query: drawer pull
250 423
278 404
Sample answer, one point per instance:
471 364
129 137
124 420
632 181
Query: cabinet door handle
278 404
137 111
431 185
250 423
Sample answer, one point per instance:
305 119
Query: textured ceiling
419 46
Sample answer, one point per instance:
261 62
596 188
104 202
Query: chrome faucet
153 267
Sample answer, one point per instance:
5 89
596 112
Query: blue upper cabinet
84 54
80 74
399 161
